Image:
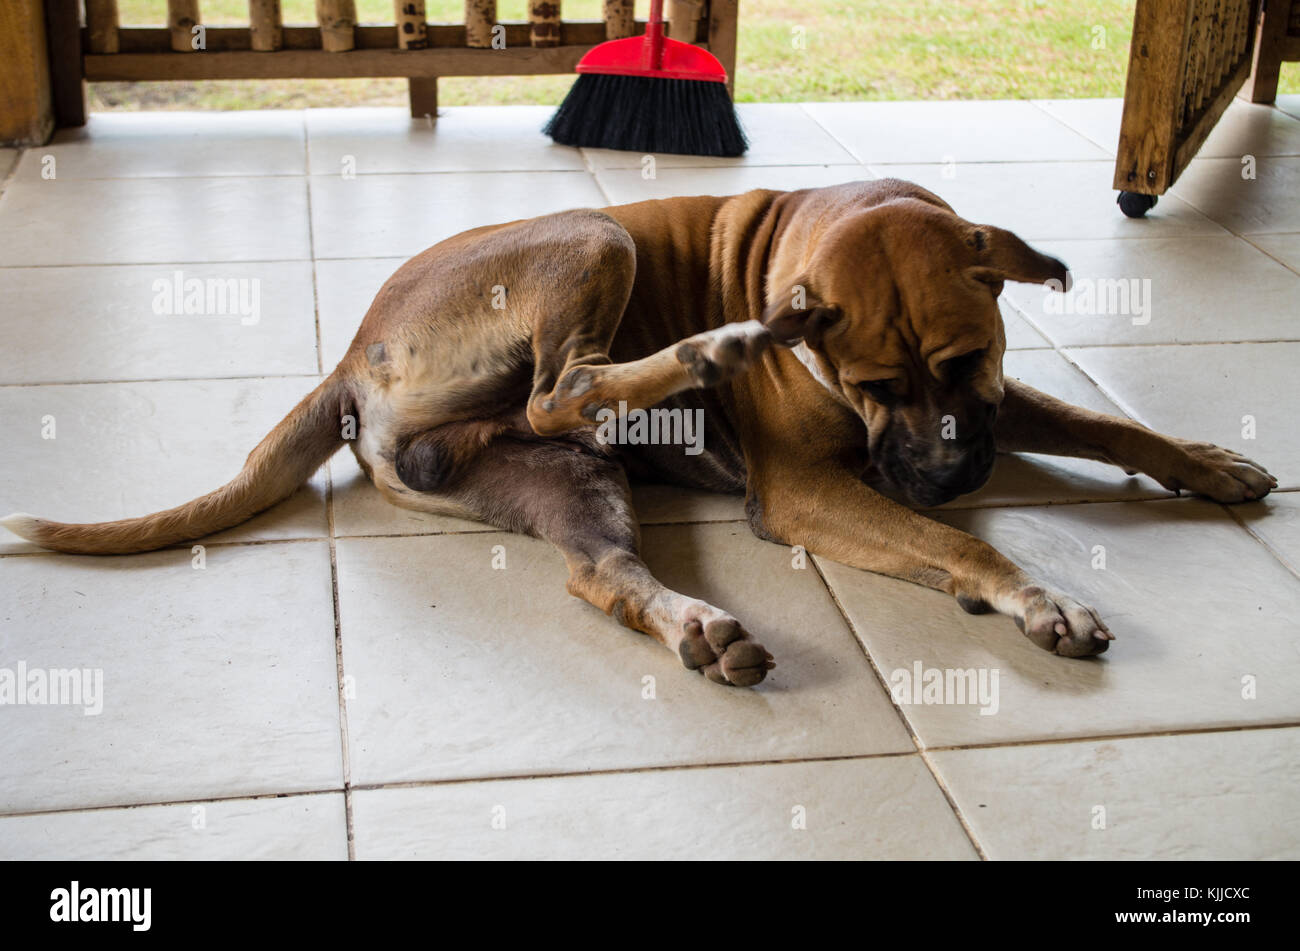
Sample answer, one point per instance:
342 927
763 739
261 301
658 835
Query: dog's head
894 310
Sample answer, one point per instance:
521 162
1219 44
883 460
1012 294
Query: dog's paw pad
715 644
573 404
718 354
694 649
1061 624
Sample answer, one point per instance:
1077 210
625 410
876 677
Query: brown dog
476 380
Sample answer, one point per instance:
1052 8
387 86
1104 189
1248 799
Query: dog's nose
968 472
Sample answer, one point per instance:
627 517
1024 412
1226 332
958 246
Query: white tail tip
21 524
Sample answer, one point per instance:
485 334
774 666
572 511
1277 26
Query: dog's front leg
830 512
1030 421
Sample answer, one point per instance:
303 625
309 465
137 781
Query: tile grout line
463 780
902 714
173 379
1108 737
803 107
206 261
1110 151
665 768
1293 269
1231 510
595 176
276 176
623 771
340 680
9 176
344 736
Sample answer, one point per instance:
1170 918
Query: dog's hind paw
717 355
1060 624
715 644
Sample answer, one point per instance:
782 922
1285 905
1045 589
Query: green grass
814 50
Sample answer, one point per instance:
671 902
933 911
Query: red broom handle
652 56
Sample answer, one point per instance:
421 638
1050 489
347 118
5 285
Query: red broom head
653 55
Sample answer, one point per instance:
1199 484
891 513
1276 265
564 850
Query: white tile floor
342 678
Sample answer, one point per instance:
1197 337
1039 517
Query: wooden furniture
337 47
1276 42
1188 59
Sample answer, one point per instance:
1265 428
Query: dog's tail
282 462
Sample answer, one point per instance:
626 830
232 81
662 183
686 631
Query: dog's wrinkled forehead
911 280
909 270
921 250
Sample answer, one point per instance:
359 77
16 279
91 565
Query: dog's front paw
1059 623
715 644
1217 473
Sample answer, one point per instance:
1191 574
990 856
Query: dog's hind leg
703 360
579 502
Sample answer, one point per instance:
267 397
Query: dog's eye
878 391
957 369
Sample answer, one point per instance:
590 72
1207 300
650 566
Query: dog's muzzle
937 475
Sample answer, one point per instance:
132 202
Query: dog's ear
799 314
1004 257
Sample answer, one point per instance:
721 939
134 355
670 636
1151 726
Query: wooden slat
422 92
182 18
412 31
544 21
101 25
337 20
620 19
318 64
63 40
266 25
226 39
1268 56
1196 136
1152 97
480 17
723 20
683 18
26 104
1191 65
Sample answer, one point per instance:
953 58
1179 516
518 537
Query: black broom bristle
647 114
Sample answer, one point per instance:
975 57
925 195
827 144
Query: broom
650 94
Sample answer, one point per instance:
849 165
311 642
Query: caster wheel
1135 205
